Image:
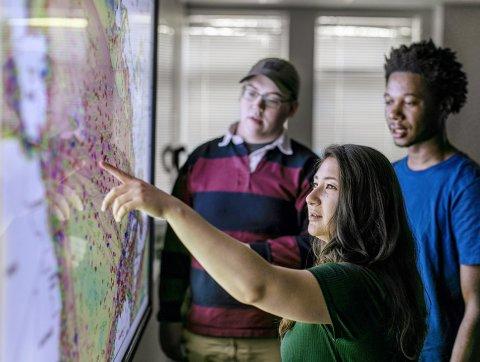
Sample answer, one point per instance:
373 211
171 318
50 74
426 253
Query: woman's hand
134 194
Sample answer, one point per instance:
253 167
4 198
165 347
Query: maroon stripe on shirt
301 201
231 322
275 180
205 176
285 252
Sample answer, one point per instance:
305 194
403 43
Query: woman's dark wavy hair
438 67
370 228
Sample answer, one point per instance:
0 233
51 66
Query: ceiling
329 3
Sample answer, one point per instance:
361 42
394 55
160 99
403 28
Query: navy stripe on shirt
213 150
301 156
208 293
262 214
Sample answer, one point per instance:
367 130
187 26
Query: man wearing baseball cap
251 183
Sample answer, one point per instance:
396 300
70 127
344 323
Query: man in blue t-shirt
441 187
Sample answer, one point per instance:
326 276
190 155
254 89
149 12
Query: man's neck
429 153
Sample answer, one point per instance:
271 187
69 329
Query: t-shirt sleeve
466 223
353 297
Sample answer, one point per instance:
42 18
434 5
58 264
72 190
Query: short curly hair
438 66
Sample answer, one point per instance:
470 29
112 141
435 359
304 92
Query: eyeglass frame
264 98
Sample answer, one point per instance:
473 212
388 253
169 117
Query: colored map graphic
76 89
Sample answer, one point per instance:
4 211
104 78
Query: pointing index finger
115 172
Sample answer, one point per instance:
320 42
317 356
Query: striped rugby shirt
257 201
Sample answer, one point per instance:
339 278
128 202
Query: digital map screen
76 89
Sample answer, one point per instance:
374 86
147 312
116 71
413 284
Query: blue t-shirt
443 205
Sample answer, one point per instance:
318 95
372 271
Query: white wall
461 33
149 347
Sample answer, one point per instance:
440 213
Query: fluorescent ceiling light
50 22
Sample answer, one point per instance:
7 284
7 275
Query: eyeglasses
269 100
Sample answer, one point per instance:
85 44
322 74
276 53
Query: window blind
349 79
165 101
220 49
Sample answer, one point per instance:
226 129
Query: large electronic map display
76 88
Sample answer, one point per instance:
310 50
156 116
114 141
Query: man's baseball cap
281 72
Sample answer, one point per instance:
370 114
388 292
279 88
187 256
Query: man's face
322 201
263 110
409 109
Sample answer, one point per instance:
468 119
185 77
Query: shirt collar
283 142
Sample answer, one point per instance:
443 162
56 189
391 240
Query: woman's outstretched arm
288 293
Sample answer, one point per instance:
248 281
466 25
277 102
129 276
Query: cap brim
284 90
